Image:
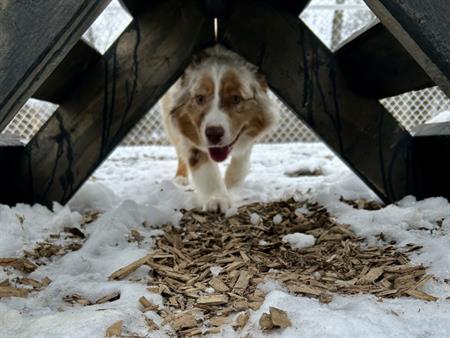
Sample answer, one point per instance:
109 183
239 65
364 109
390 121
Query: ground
68 254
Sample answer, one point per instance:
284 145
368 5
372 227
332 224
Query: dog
218 108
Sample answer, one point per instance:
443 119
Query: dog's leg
238 169
208 182
181 177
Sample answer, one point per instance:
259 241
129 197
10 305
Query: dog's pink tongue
219 154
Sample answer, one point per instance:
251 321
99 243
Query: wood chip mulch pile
210 266
71 238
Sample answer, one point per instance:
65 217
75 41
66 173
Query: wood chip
126 270
219 285
21 264
421 295
75 231
108 298
265 322
218 321
115 330
325 298
242 282
136 235
213 299
402 268
241 320
279 317
152 326
184 321
32 282
304 289
147 305
234 266
46 281
371 276
8 291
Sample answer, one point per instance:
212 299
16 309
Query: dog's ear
199 58
262 81
179 100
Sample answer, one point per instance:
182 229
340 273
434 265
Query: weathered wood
146 59
221 8
68 73
216 8
378 66
294 6
422 27
35 37
431 153
309 79
11 150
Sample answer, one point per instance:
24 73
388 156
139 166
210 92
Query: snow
441 117
215 270
134 190
277 219
255 218
299 241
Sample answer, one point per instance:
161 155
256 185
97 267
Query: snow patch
299 241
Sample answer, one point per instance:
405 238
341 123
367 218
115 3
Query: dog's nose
214 134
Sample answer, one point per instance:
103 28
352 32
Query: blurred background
333 21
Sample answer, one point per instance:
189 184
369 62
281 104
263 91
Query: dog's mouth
220 154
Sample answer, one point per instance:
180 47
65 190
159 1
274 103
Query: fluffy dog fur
218 108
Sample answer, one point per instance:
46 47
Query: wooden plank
220 8
11 150
293 6
309 79
217 8
146 59
432 129
378 66
35 37
431 151
422 28
69 72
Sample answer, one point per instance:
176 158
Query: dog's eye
200 99
236 99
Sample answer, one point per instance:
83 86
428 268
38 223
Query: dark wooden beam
293 6
216 8
221 8
378 66
69 72
120 89
422 27
431 154
132 6
308 78
35 37
11 151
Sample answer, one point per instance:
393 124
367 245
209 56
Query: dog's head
222 104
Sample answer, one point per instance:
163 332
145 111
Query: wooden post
118 90
431 153
309 79
378 66
77 63
35 36
423 29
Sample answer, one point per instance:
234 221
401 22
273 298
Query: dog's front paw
181 180
218 203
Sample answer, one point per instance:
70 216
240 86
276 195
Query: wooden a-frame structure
101 97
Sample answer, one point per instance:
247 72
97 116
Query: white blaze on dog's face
225 106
